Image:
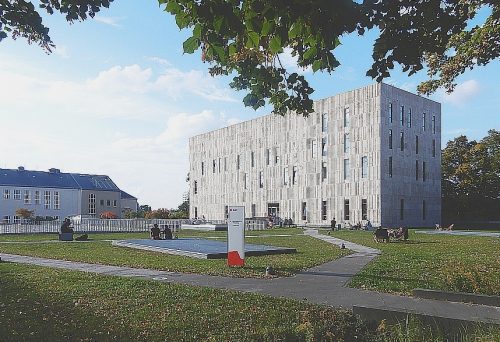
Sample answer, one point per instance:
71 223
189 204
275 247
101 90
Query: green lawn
310 252
441 262
44 304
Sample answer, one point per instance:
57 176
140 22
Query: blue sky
118 97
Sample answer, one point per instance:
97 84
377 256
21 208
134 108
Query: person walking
333 223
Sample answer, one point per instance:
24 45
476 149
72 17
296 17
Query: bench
65 236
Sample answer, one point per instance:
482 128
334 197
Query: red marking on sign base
233 259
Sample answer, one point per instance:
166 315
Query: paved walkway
324 284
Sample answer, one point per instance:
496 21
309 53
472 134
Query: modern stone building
368 154
56 194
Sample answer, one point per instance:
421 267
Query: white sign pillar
236 236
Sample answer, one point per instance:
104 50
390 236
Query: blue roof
55 179
126 195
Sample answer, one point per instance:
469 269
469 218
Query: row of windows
17 219
408 116
402 143
49 198
417 169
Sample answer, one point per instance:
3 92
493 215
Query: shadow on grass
32 313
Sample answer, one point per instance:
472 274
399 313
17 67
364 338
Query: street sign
236 236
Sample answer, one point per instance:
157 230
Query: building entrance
273 209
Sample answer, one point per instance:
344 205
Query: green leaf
267 26
253 39
316 65
173 7
275 44
310 52
295 30
232 49
191 44
197 31
218 23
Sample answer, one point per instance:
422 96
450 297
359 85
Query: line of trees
145 211
471 179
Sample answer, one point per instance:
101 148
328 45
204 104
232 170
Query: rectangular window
213 165
261 179
226 211
57 200
92 210
304 211
276 156
390 167
423 122
423 210
314 149
390 139
434 124
245 180
195 187
389 113
268 156
195 212
346 210
17 194
6 219
202 168
324 122
416 144
27 197
252 158
347 143
347 171
37 197
402 209
402 141
101 202
416 169
408 119
108 203
433 147
323 146
364 167
6 194
285 176
323 171
347 118
46 199
323 210
115 203
295 175
225 164
238 162
364 209
17 219
423 171
254 210
402 116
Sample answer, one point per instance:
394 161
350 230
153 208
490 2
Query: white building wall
290 142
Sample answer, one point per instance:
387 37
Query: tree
25 213
108 215
160 213
246 38
471 178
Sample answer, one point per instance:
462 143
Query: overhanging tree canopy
246 38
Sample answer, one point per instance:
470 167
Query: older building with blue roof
58 194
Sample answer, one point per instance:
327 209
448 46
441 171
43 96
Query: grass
440 262
56 305
310 252
44 304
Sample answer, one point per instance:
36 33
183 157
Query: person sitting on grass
155 232
167 234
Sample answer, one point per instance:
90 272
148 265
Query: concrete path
324 284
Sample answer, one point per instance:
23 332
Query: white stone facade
332 164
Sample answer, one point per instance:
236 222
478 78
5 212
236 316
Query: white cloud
463 93
61 51
159 60
111 21
290 62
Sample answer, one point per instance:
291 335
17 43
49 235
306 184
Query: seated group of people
450 227
156 232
